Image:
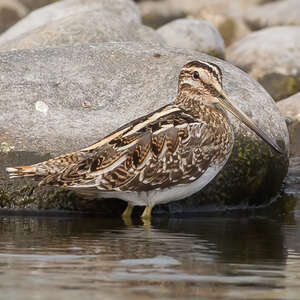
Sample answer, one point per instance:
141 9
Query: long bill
228 105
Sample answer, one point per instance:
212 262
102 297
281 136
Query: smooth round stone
275 63
276 13
193 34
59 100
225 15
45 15
72 22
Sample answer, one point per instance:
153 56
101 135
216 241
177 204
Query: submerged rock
193 34
44 97
275 63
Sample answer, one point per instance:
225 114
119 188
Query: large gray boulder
275 63
274 14
194 34
77 22
58 100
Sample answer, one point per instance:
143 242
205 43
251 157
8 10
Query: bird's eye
196 75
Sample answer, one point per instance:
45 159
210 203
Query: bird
164 156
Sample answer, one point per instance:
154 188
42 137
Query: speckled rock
11 11
68 97
117 22
274 14
34 4
275 63
193 34
227 16
290 108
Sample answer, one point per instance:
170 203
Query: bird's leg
147 212
128 211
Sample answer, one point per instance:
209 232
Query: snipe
161 157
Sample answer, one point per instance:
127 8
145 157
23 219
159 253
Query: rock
267 1
294 131
193 34
120 82
227 16
274 14
89 27
275 63
34 4
126 9
11 11
261 2
290 108
158 13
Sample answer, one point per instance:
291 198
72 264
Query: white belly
158 196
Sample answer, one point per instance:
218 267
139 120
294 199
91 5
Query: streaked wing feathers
159 150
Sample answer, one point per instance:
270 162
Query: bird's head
202 81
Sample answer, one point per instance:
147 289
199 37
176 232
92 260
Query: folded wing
162 149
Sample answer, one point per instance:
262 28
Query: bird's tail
49 167
22 171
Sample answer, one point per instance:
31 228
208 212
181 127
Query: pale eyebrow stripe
213 68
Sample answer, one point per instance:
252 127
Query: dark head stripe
210 67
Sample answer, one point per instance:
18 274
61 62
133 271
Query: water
199 258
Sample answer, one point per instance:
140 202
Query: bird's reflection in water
229 239
170 258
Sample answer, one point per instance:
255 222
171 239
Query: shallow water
199 258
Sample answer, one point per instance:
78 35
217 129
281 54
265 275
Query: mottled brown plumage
164 156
